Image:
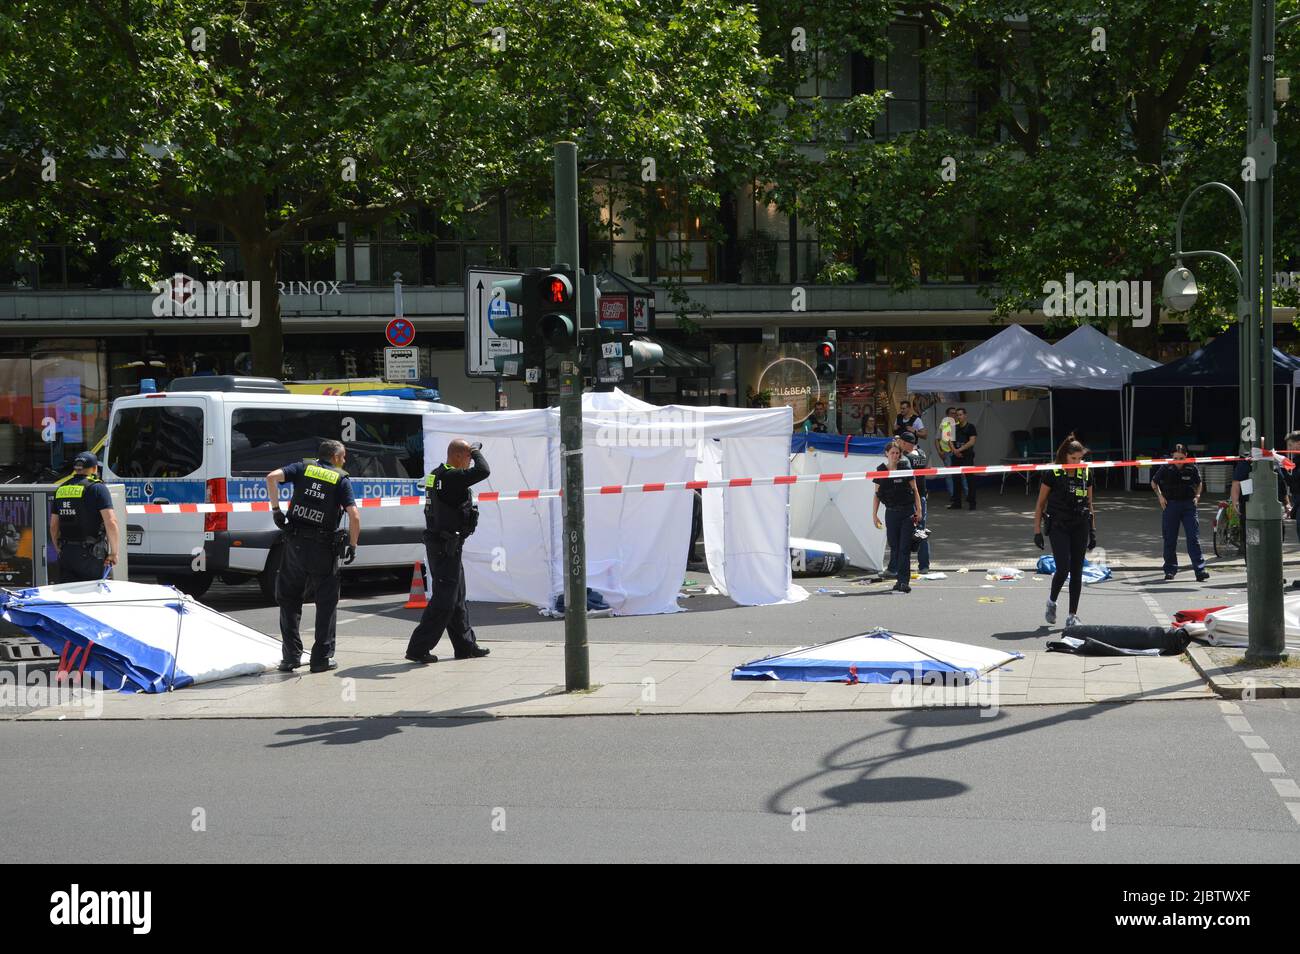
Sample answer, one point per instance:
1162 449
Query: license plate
134 538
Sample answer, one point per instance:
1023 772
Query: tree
270 118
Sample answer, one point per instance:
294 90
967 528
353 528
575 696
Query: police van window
386 445
266 439
156 441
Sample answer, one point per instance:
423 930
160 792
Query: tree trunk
267 336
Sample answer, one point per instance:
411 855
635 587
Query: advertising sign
16 540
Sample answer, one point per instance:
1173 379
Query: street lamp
1263 528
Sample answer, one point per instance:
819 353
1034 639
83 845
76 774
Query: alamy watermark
929 689
662 427
43 688
1108 299
183 297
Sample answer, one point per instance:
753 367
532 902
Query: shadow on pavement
866 788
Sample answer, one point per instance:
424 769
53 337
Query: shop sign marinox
183 297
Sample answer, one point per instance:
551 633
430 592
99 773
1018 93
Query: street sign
401 364
400 332
483 305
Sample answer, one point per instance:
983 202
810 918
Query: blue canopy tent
1214 366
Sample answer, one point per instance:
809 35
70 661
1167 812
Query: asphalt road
965 606
1141 783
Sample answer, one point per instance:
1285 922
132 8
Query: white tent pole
1051 421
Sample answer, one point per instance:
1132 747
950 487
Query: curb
1222 679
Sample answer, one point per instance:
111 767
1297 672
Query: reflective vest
1069 494
79 518
315 501
442 515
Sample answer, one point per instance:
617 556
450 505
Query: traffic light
558 321
525 327
826 367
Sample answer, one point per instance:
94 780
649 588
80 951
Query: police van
214 439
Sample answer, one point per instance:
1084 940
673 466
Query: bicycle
1228 535
1227 531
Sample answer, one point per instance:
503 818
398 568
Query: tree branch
113 195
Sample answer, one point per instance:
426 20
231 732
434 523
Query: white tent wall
636 543
838 511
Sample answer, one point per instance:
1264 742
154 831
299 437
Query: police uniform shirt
77 504
1177 483
896 491
908 422
310 479
452 484
1241 472
918 461
1068 497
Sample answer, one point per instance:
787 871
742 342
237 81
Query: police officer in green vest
83 527
312 547
450 516
1065 496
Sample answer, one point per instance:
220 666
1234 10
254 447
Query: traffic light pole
576 666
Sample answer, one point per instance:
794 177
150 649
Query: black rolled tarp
1120 641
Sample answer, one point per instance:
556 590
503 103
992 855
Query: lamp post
1263 527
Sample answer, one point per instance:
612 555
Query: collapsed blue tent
878 657
137 637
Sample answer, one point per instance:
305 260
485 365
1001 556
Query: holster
99 547
340 543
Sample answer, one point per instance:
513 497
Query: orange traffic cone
417 599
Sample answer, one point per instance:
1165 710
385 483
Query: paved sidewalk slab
527 679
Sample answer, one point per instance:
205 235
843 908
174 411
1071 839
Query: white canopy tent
838 510
1118 363
636 542
1013 358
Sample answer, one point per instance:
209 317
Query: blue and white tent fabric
1092 572
138 637
878 657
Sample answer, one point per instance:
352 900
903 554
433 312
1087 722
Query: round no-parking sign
399 332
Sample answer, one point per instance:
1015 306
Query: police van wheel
266 579
191 584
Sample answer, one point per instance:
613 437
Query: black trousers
1069 544
78 563
446 609
307 560
963 482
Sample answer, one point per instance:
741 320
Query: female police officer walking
1178 488
1071 524
902 511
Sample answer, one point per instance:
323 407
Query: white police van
215 438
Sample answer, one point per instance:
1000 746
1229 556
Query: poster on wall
63 401
16 540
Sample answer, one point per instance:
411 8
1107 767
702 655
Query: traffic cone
418 599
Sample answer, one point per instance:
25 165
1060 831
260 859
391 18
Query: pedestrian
1292 478
817 421
313 545
943 444
870 428
1242 487
907 420
902 512
450 516
83 527
1178 487
917 460
963 455
1070 523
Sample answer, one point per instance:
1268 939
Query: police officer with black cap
83 527
312 548
1178 488
450 516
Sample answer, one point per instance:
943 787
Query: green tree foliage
161 113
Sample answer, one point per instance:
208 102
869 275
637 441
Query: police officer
312 547
1066 497
83 527
450 516
1240 494
1178 488
917 459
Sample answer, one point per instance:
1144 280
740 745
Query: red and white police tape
492 496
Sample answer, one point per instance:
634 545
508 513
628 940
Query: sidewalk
1225 670
527 679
